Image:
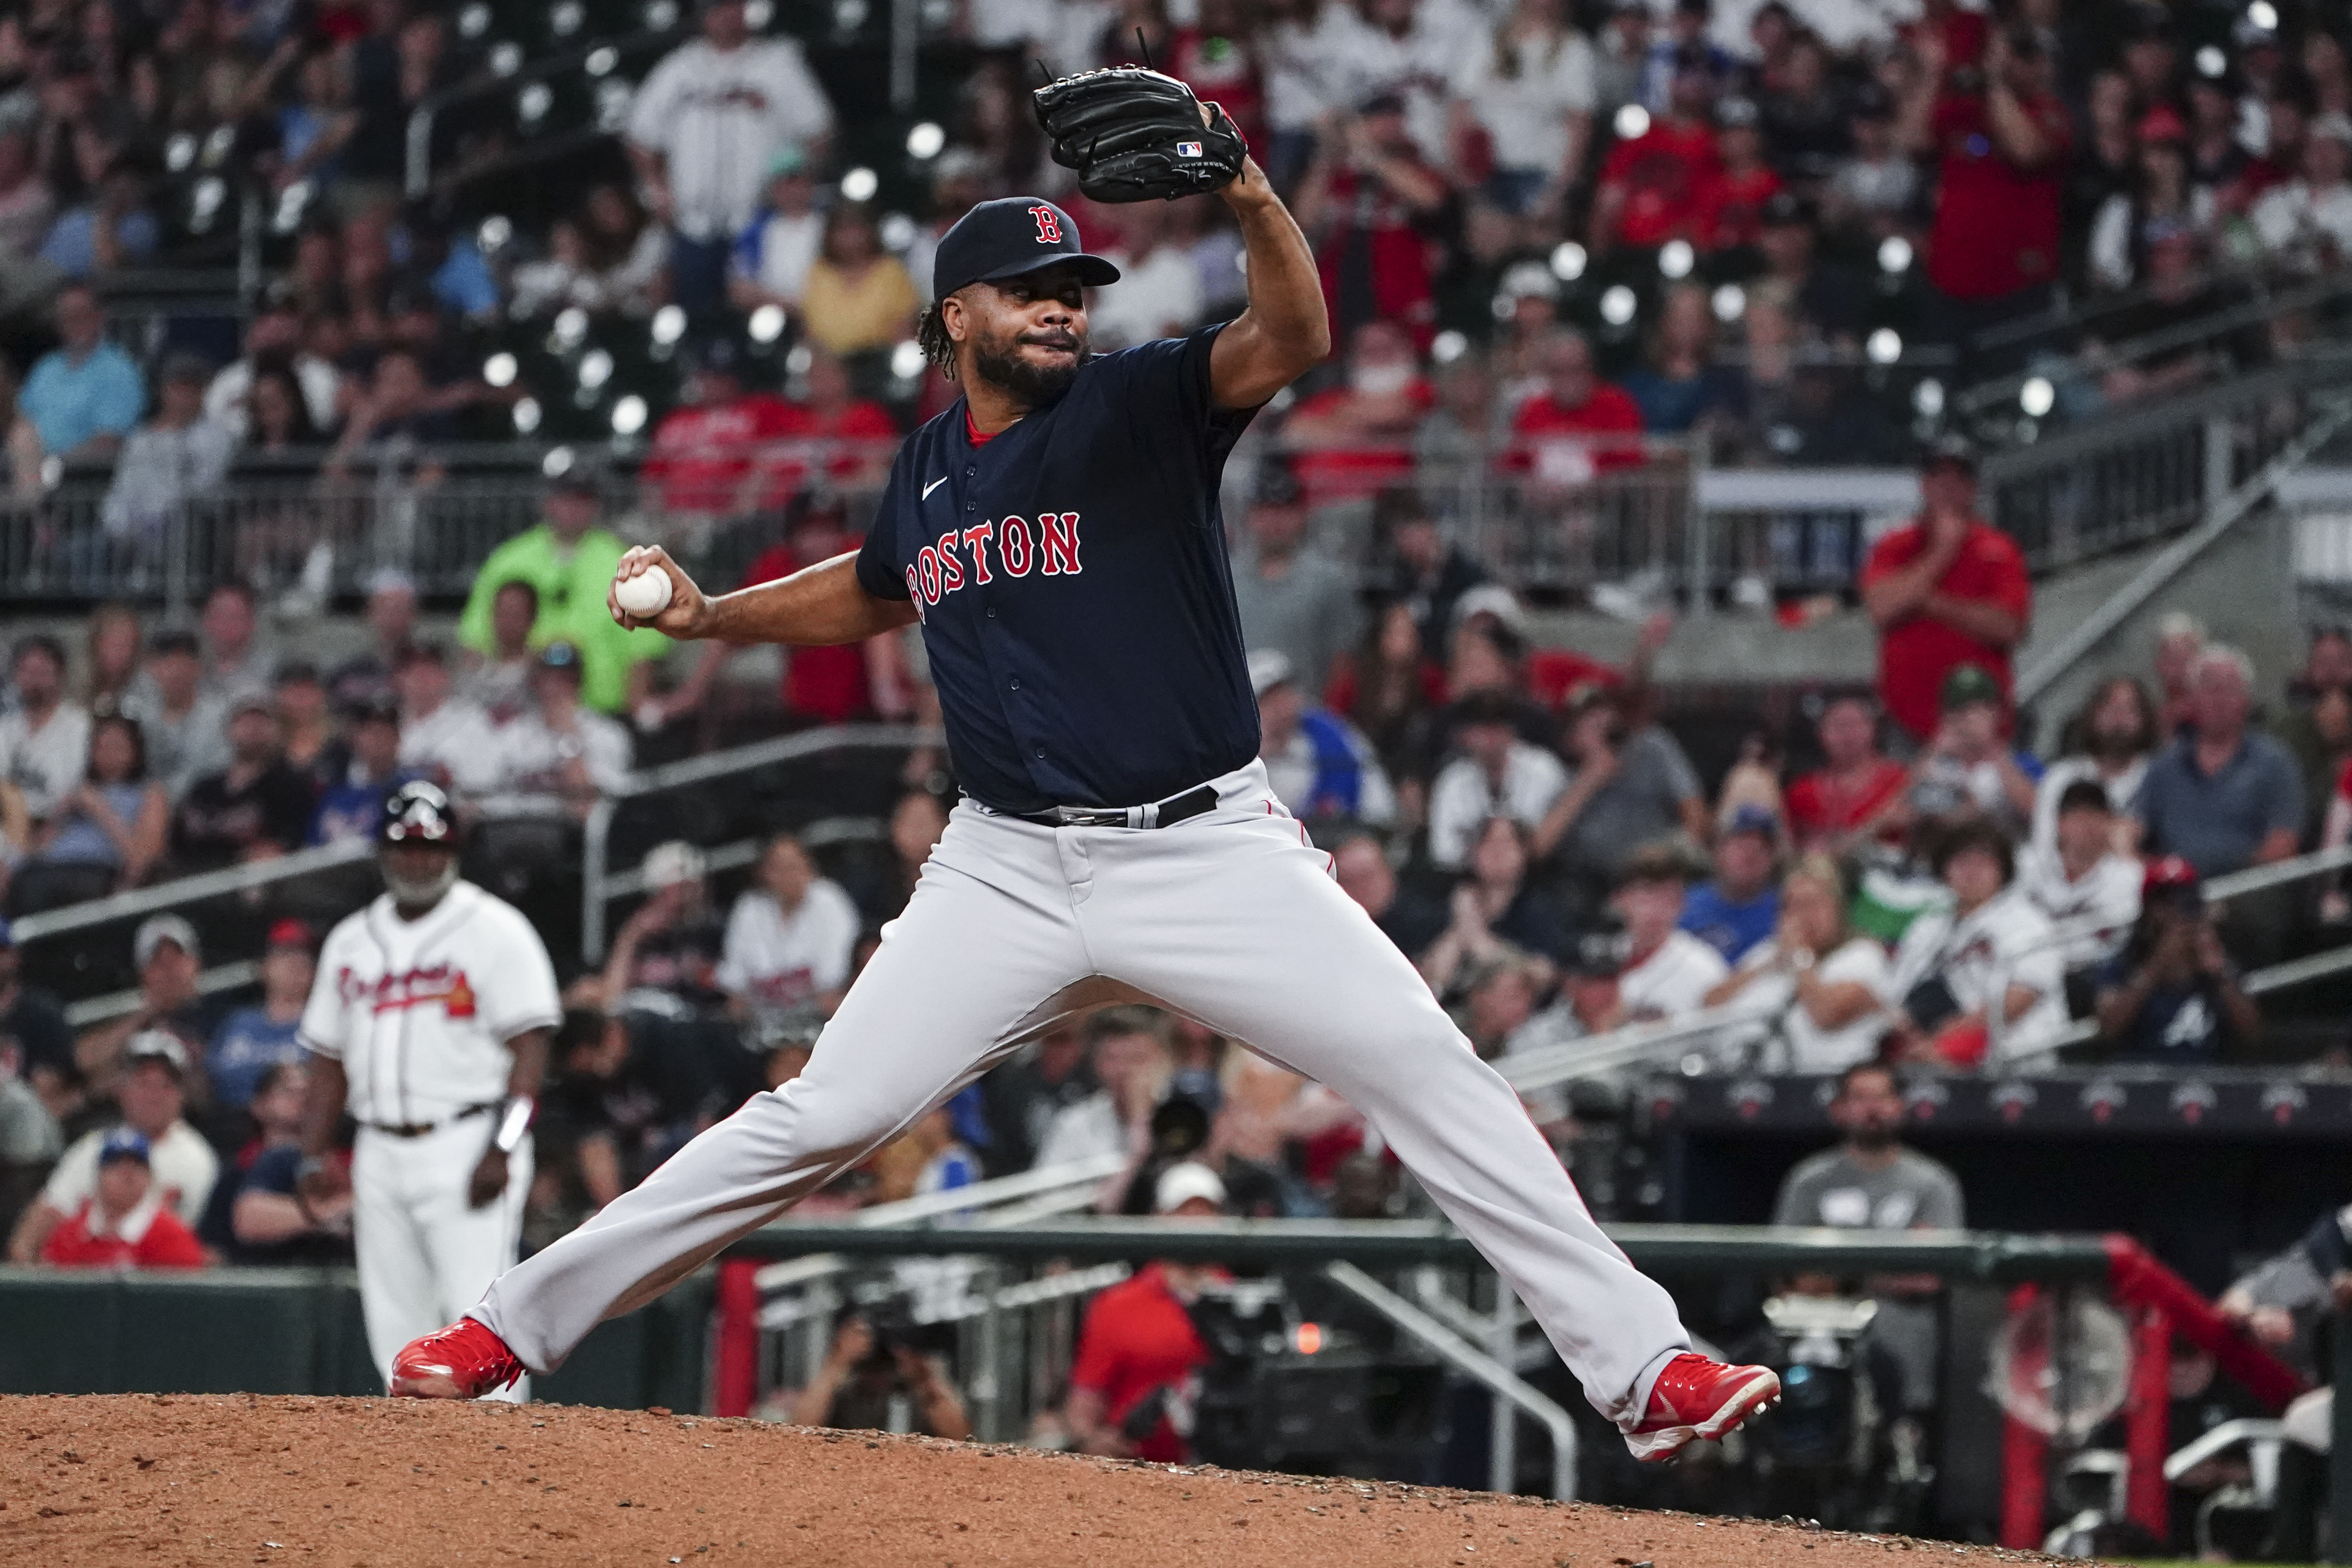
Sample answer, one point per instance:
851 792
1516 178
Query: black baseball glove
1134 135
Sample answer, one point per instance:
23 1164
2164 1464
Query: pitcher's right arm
816 607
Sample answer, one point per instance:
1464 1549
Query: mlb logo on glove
1136 135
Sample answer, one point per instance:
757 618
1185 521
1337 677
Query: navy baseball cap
123 1143
1008 236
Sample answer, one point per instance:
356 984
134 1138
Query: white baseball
646 594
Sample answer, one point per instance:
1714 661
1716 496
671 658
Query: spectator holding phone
2173 995
879 1382
1138 1342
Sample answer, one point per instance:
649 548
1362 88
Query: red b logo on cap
1049 227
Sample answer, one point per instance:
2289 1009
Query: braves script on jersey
1071 574
419 1010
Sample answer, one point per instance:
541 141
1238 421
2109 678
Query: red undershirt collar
971 431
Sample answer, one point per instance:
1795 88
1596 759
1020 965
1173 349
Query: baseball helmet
417 813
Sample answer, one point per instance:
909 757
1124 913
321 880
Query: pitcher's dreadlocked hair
931 336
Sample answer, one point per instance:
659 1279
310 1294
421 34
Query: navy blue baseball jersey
1077 600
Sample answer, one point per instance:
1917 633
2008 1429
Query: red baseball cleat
1696 1397
464 1361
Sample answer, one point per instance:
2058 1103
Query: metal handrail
1990 1256
596 877
746 851
181 891
2234 318
1503 1382
221 977
419 143
2091 630
2094 436
1638 1043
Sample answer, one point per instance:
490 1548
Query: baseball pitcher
1057 532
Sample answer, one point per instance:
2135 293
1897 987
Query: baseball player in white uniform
1118 835
430 1021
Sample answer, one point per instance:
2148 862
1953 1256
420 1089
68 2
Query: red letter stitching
1058 542
977 536
1012 546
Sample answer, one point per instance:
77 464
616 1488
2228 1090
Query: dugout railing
992 1280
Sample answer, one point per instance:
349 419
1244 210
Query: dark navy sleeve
878 571
1163 388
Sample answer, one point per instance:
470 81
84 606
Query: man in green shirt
569 562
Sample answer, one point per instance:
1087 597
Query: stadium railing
591 64
2054 337
1551 518
1668 1043
2153 468
601 884
1061 1260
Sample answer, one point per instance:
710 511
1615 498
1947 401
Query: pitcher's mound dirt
145 1479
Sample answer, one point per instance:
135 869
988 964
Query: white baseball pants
424 1251
1230 917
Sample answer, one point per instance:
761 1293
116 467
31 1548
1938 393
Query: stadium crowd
1545 229
1914 880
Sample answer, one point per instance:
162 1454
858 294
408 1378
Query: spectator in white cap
2308 220
1189 1190
1319 765
1138 1345
667 954
156 1068
168 958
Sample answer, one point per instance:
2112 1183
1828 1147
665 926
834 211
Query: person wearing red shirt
1356 439
1363 202
2001 139
1649 186
1855 790
1731 200
125 1223
1948 590
1217 58
701 463
822 684
1579 425
1961 33
1138 1344
829 430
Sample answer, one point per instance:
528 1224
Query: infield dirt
196 1479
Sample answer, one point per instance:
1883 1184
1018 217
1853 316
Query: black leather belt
1166 813
419 1129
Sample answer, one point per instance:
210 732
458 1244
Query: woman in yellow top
858 298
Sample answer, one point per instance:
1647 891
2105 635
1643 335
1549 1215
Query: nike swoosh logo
932 486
